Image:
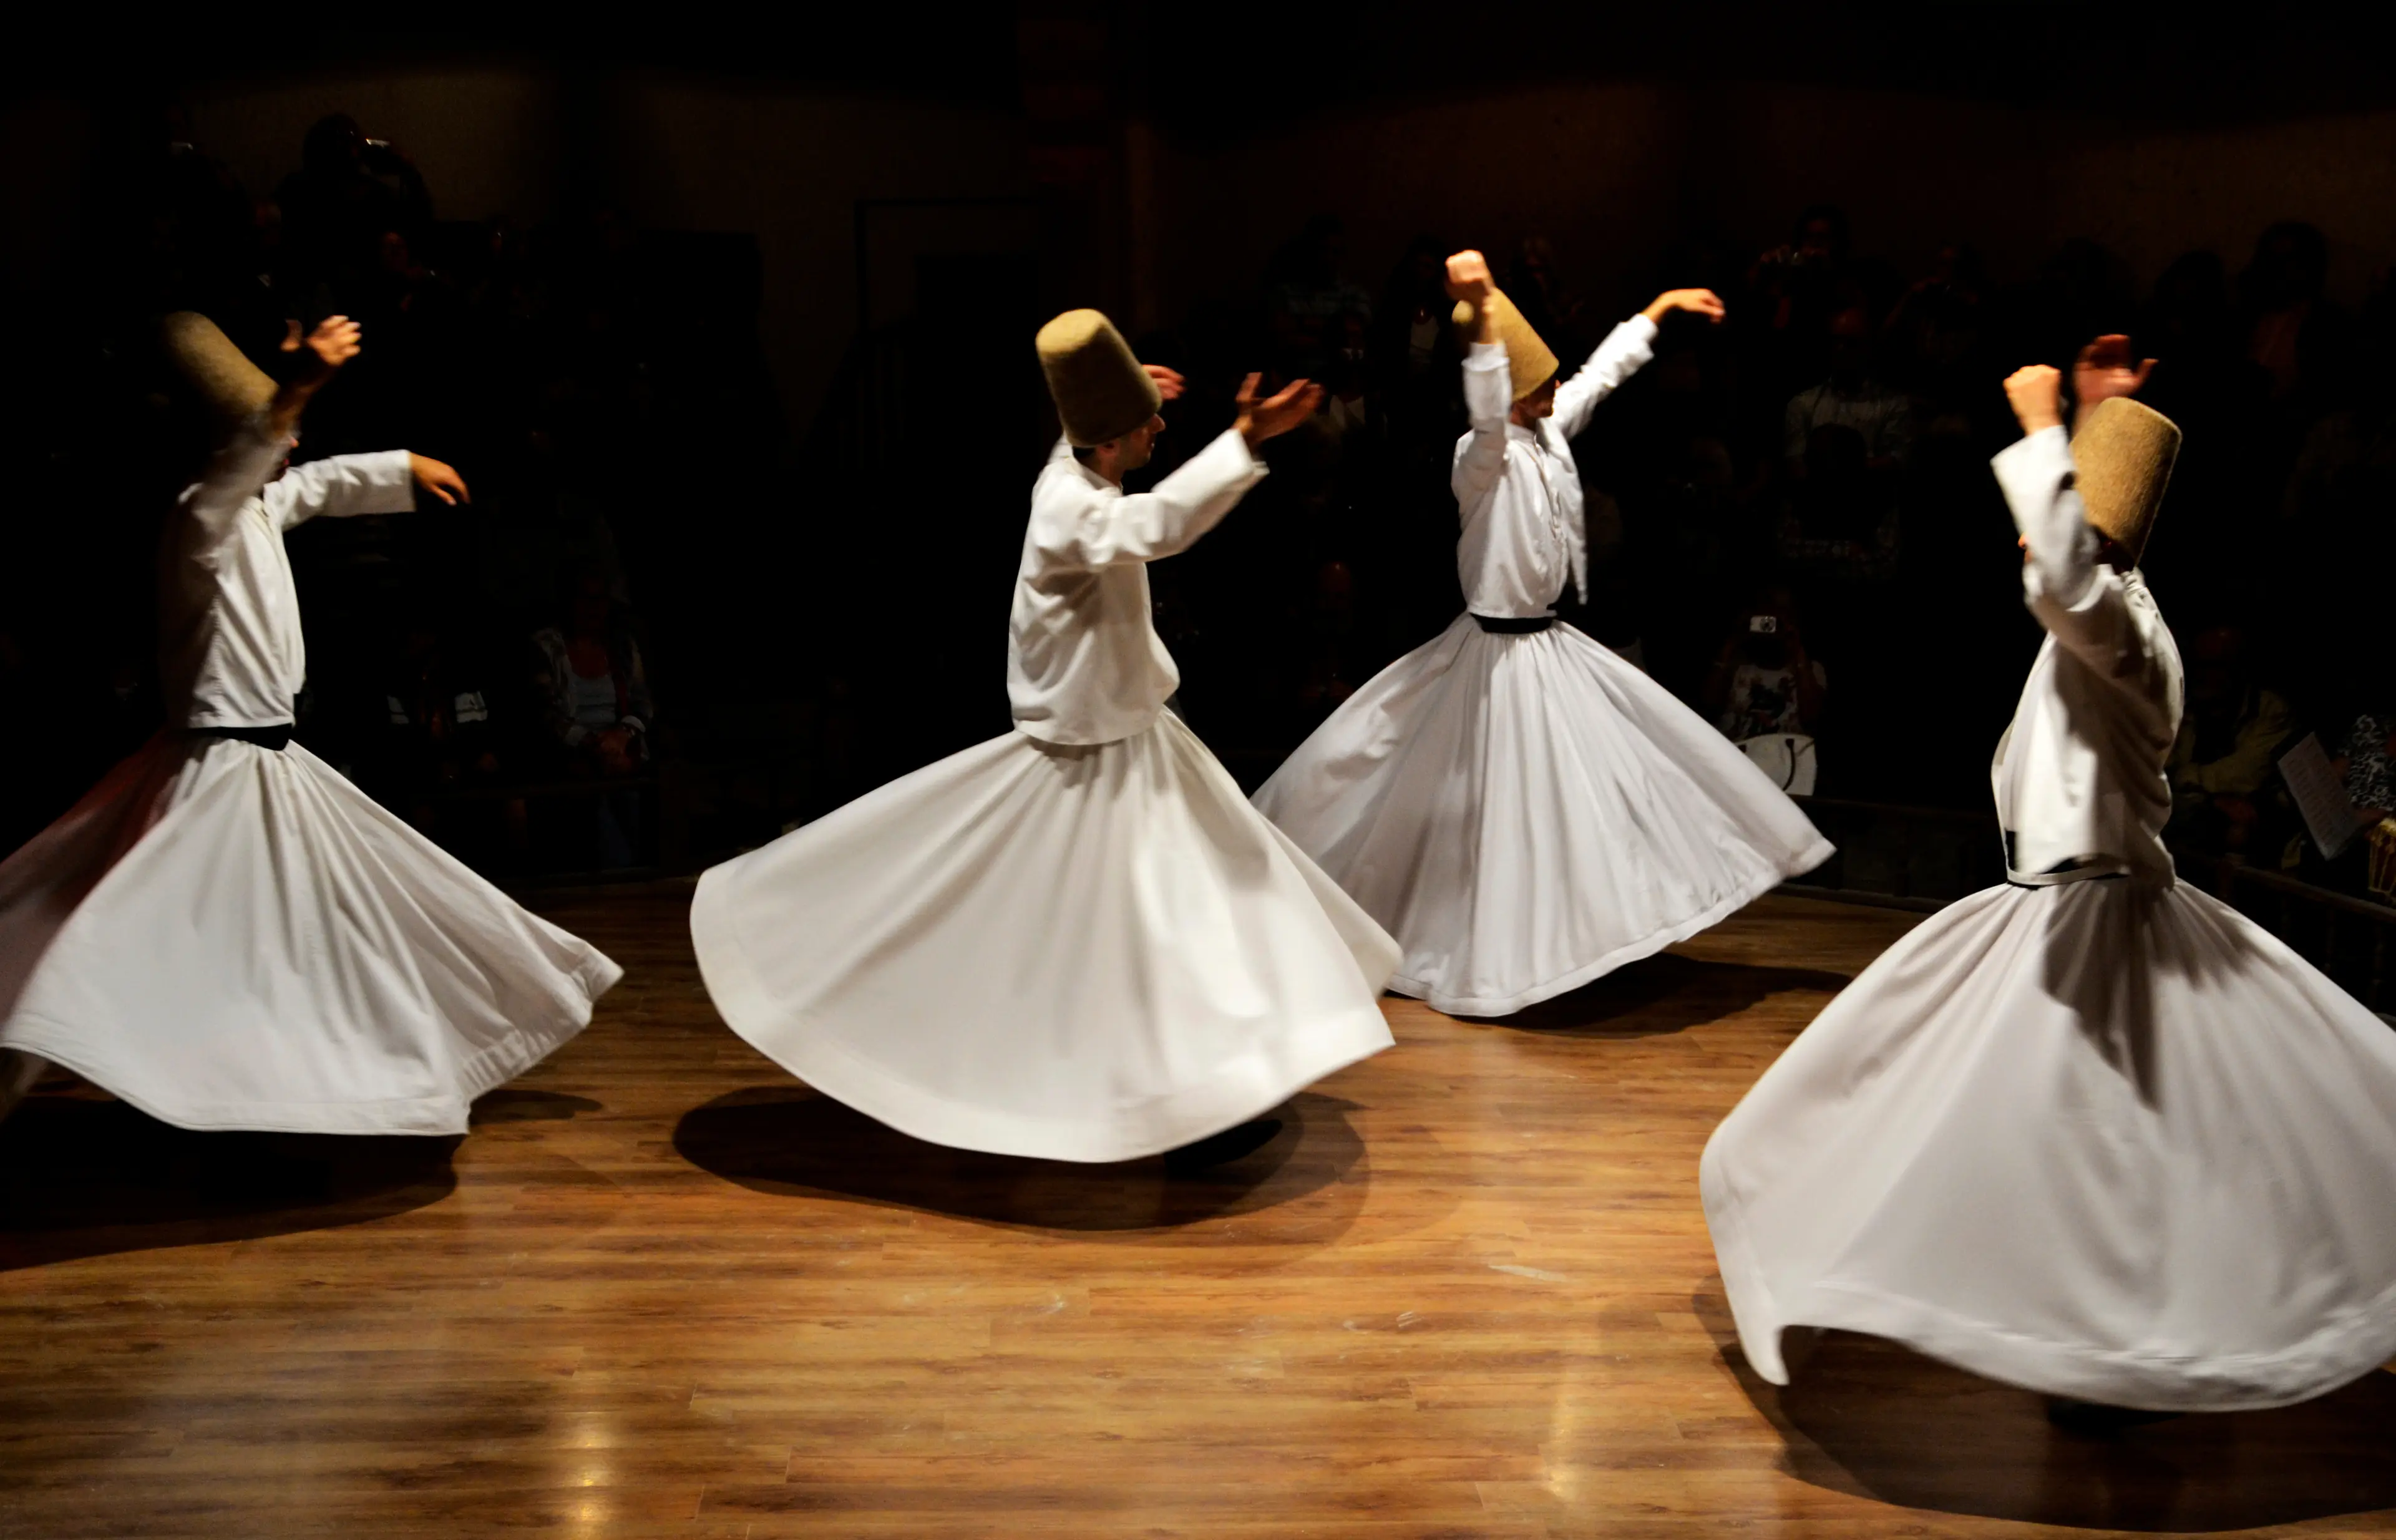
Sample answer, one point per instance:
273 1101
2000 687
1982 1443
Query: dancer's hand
1169 383
322 352
1276 415
332 344
439 479
1696 301
1468 277
2104 371
2036 392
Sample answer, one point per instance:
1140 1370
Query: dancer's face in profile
1131 451
1538 403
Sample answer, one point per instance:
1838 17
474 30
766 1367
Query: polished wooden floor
663 1291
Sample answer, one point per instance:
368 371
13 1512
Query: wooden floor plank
664 1291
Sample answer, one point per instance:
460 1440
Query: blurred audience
2230 732
1769 694
597 709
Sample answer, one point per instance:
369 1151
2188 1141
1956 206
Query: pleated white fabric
2100 1140
1528 811
229 936
1073 953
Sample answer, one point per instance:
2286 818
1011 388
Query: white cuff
2032 471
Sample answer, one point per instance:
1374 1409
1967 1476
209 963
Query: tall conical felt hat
1100 390
220 374
1529 362
2124 456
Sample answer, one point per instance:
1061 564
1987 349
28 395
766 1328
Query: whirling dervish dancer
224 932
1077 940
1523 810
2092 1132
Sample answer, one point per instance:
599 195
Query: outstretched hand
1276 415
439 478
333 343
2036 392
1696 301
322 352
2104 370
1169 383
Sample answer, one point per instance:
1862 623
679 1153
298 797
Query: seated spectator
1347 406
1764 683
1331 675
1842 520
1411 340
1936 330
1852 398
440 713
1306 291
2230 738
1793 292
599 714
348 194
2368 763
1538 291
1612 615
439 736
2289 323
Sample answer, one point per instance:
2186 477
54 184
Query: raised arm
235 472
1077 526
2081 605
238 470
1488 402
1488 386
1624 353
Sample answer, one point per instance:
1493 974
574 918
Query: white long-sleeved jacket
230 654
1083 661
2078 776
1524 529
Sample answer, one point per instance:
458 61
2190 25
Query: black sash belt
1513 625
277 738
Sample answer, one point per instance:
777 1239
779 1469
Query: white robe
2092 1132
230 937
1528 811
1076 941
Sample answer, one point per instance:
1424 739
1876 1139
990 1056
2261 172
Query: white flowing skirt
2097 1140
1525 813
228 937
1076 953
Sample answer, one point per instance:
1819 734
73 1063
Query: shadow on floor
1878 1420
81 1176
513 1104
1305 1186
1666 993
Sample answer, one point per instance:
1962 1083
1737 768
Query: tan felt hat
1100 390
2124 456
1528 363
220 374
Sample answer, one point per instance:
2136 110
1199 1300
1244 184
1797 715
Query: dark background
737 314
